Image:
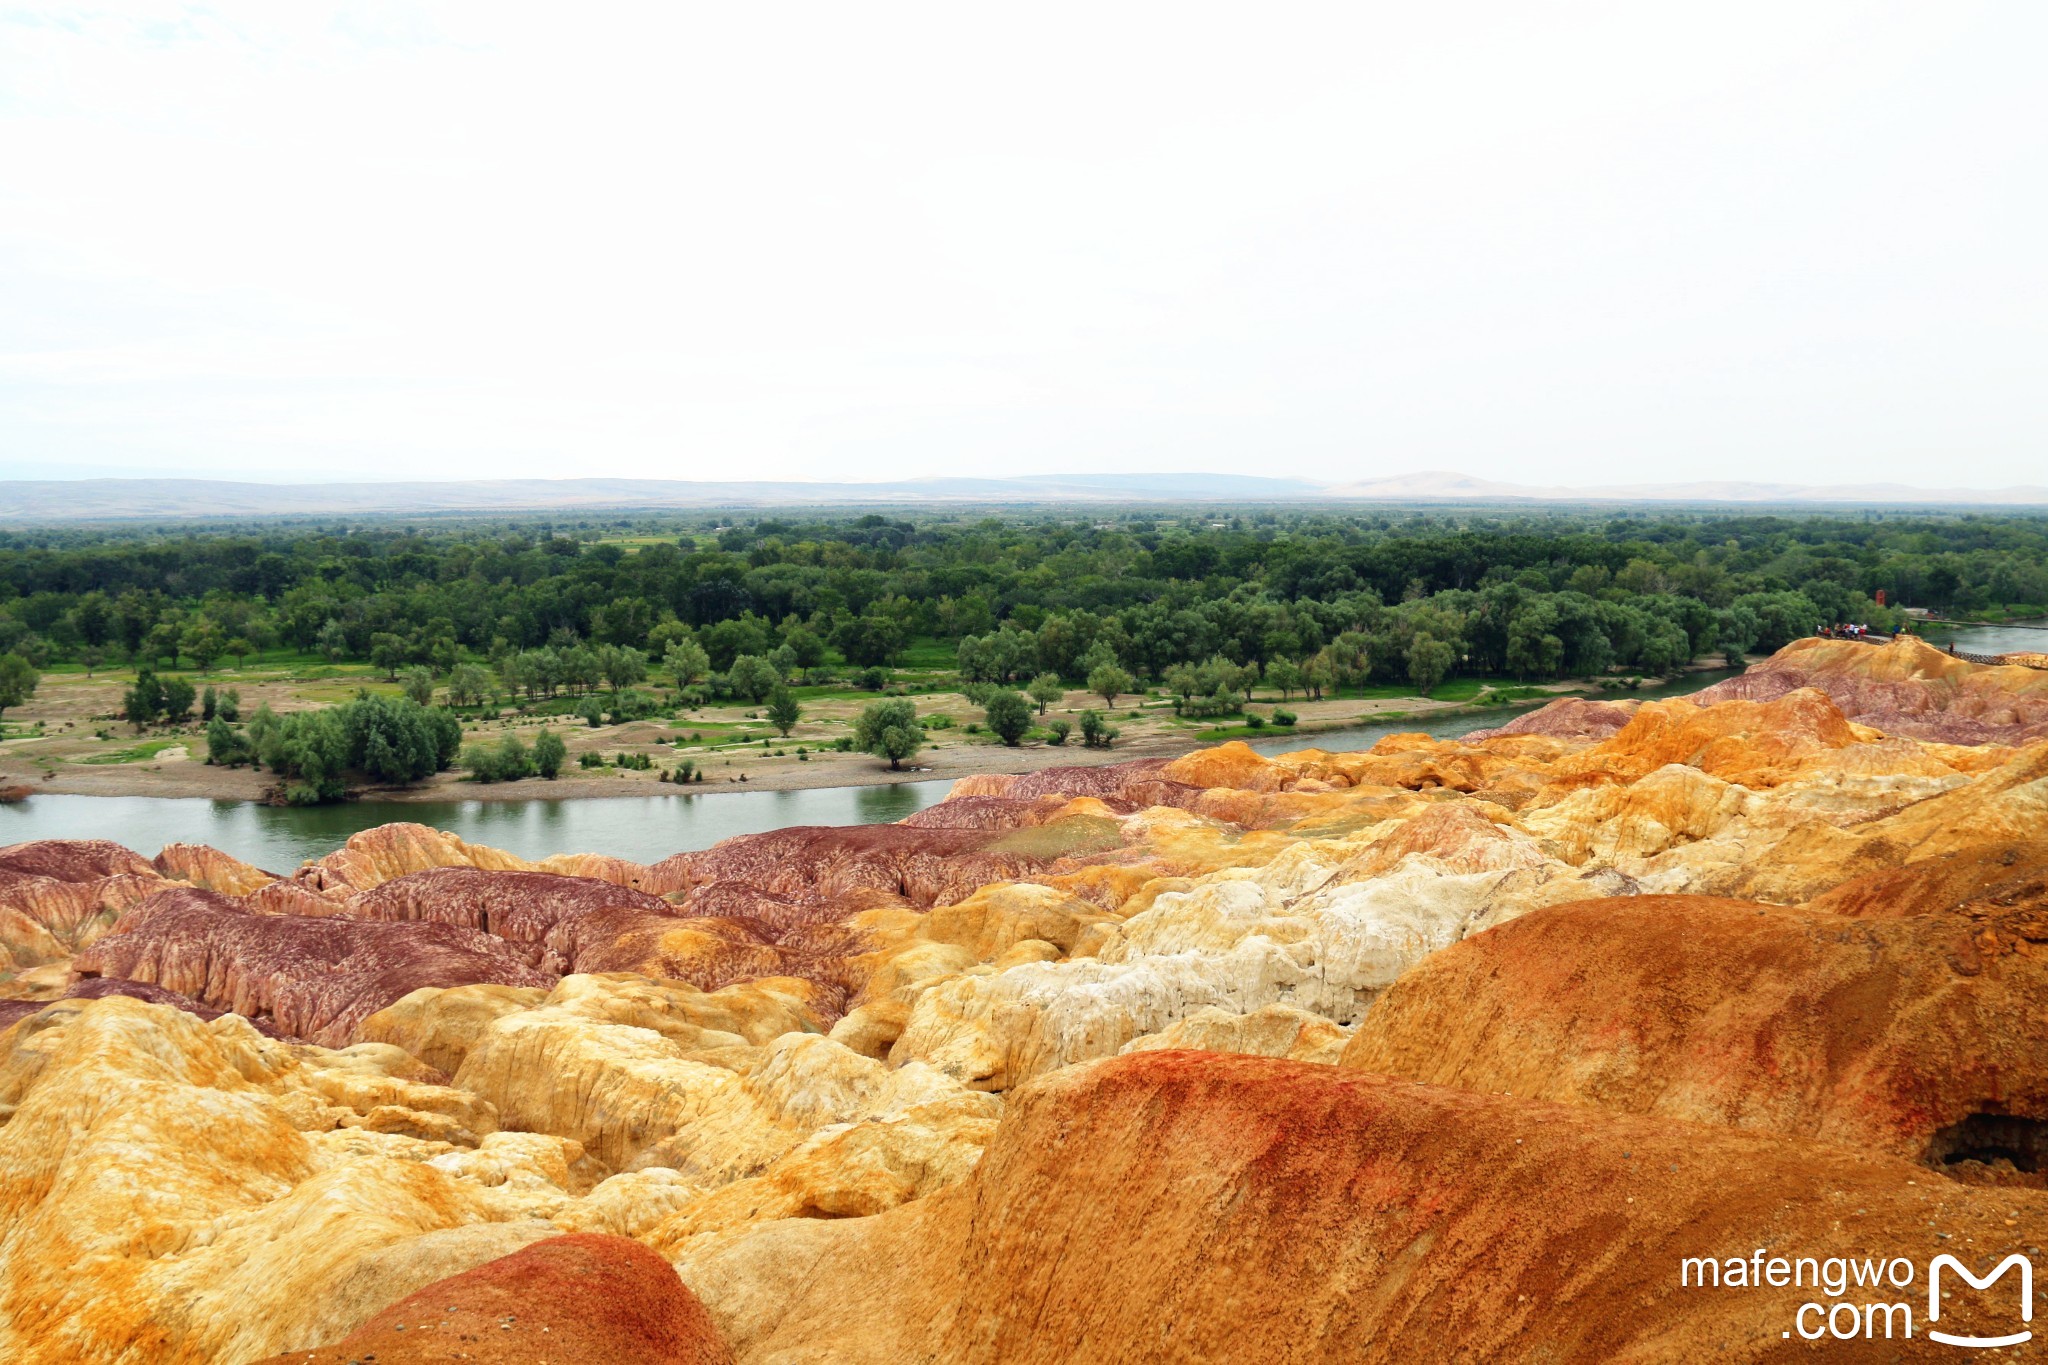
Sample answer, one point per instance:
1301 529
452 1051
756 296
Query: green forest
730 604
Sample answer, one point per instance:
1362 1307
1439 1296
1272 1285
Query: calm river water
641 828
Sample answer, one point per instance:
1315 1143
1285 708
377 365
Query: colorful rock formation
1444 1050
580 1299
1906 687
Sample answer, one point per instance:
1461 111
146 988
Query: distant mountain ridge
1433 485
55 500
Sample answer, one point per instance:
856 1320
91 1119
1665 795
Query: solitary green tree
1045 689
1009 715
142 703
548 753
783 710
1110 681
889 729
178 697
387 651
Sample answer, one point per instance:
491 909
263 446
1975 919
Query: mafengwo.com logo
1873 1299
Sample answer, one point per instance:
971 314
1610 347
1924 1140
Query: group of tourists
1845 632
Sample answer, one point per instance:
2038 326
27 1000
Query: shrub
144 702
506 761
590 760
178 696
783 711
1284 717
548 753
227 746
1096 733
418 685
633 704
1222 702
1009 716
1057 731
591 710
872 680
1254 721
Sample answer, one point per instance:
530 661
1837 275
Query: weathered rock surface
315 979
1275 1031
208 1185
57 895
1906 687
581 1299
1879 1034
210 869
1565 718
100 987
73 860
1255 1210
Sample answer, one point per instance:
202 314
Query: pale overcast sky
1563 243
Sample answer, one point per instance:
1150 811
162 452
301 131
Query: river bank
647 820
73 753
174 773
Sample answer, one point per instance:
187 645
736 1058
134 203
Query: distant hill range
52 500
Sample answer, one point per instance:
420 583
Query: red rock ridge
583 1299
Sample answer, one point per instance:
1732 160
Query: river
2030 636
644 828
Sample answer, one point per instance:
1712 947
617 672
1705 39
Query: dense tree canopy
1330 598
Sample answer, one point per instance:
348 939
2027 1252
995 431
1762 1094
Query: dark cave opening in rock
1990 1138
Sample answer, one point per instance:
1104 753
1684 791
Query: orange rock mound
1907 687
1189 1206
1907 1035
583 1299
